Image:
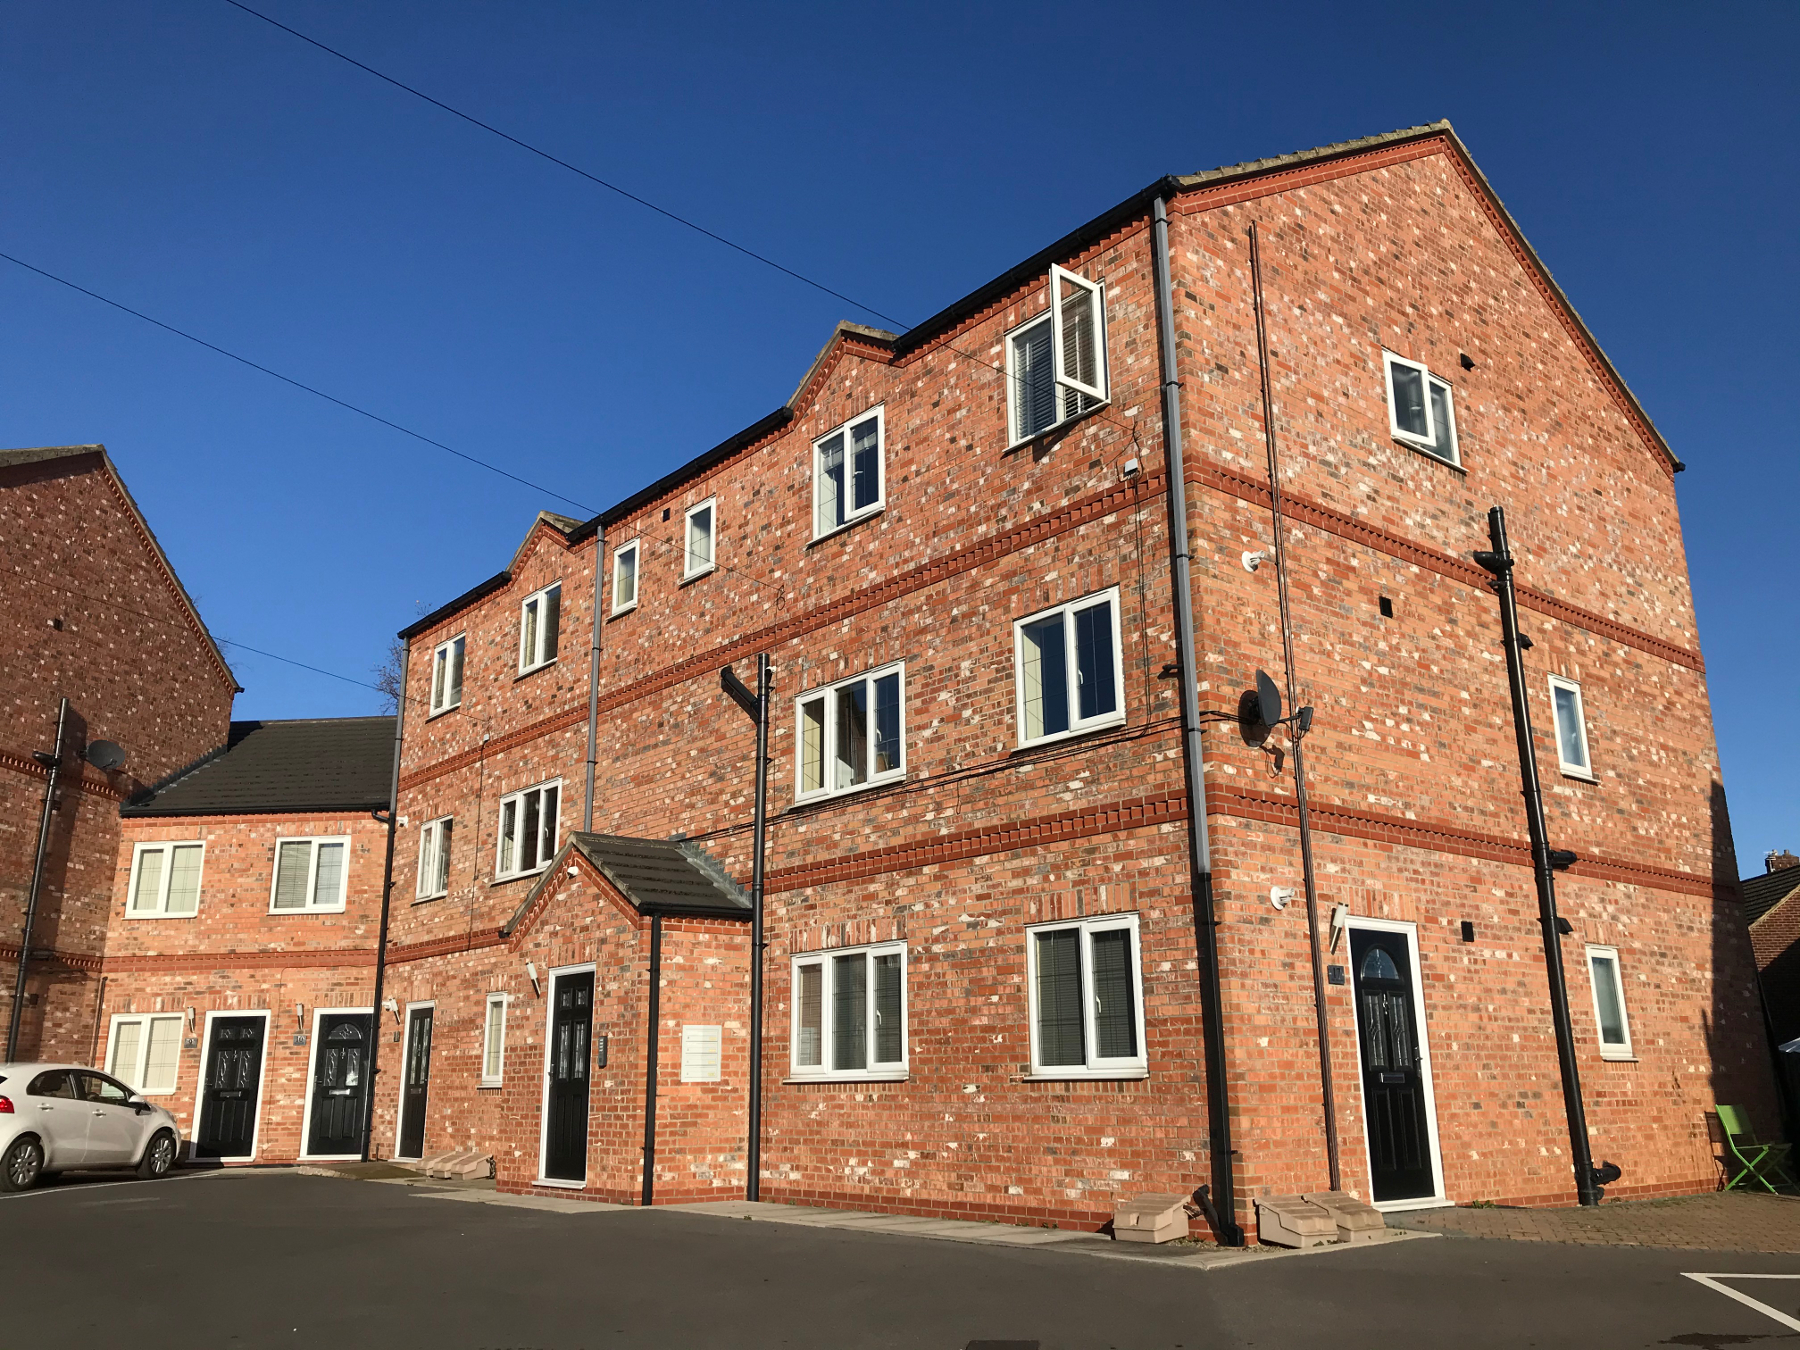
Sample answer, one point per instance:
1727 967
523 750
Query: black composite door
228 1096
571 1027
416 1084
1393 1079
340 1065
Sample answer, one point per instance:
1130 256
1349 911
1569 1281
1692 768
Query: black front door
228 1096
565 1130
1393 1079
340 1059
416 1083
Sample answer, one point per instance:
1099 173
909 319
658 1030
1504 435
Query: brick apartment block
983 986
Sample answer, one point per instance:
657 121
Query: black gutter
381 936
699 464
650 1052
234 809
462 601
54 765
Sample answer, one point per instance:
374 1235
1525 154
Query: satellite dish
1268 699
104 754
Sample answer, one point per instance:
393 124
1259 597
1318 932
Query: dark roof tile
316 764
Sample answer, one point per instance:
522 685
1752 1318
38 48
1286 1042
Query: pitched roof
1762 894
655 876
310 764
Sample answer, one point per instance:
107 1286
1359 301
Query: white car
59 1116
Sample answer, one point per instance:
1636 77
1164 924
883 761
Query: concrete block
1356 1221
1289 1221
1150 1218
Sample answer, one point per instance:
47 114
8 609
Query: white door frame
262 1075
1436 1199
312 1064
406 1049
554 974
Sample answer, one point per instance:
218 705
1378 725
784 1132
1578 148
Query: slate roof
1762 894
656 876
311 764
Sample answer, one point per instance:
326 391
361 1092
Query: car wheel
159 1158
22 1166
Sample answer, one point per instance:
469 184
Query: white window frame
1099 391
1428 442
828 748
851 514
501 1000
162 895
1582 771
620 553
689 571
434 854
312 873
1078 726
880 1071
1619 1050
536 660
134 1078
556 826
452 649
1096 1066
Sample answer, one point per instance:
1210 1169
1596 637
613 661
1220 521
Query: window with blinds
165 880
447 675
310 875
1056 362
144 1052
851 735
528 830
1086 995
1609 1003
434 859
698 559
1069 670
540 618
849 1013
847 473
493 1042
1421 408
625 574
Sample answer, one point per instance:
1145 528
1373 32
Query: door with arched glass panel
1396 1105
340 1063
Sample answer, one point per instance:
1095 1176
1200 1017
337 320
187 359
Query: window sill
1057 428
1579 775
692 577
1110 724
1086 1076
427 899
622 611
1432 455
838 794
559 1184
454 707
1618 1057
849 1079
304 913
850 524
527 674
160 915
510 877
485 1086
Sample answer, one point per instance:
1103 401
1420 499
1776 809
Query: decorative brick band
450 946
30 768
186 961
9 951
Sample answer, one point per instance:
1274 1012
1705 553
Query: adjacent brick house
1772 909
983 988
94 613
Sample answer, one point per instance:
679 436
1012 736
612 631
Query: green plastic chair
1759 1161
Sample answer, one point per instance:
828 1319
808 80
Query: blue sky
193 162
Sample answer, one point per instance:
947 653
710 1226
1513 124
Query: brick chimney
1780 862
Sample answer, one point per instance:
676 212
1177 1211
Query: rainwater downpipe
650 1050
387 895
53 770
1206 938
1327 1094
593 745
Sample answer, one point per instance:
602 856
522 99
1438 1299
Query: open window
852 734
310 875
434 859
848 473
701 521
625 577
1087 998
1571 729
1421 409
1609 1003
1068 669
447 674
165 880
540 618
849 1013
528 822
1056 363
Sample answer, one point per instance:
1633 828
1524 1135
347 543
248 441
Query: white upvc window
434 858
1056 363
144 1051
540 618
165 880
1421 409
849 1013
310 875
1069 671
702 544
848 474
1608 981
852 734
625 577
1087 998
493 1042
528 821
447 674
1571 728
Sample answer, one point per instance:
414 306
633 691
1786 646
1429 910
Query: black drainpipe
650 1058
593 745
387 895
52 763
1218 1097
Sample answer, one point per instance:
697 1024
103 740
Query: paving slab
1735 1221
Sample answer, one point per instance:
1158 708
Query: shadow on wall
1737 1038
40 981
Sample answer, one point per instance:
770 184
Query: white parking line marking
83 1187
1712 1282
